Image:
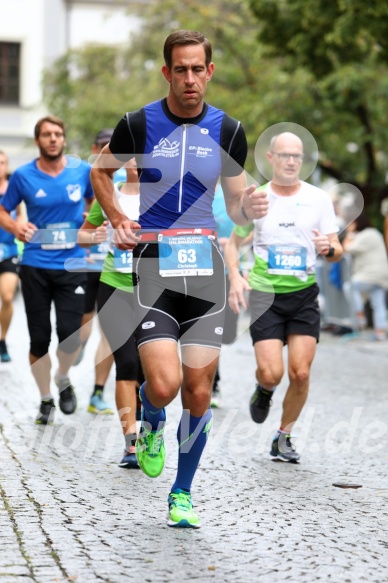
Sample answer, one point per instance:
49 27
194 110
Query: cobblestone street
69 513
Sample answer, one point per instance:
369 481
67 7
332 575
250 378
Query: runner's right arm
22 230
102 180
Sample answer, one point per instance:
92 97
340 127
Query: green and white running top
283 246
117 269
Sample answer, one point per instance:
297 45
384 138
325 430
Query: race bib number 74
56 236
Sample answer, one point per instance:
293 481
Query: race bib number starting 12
123 260
287 260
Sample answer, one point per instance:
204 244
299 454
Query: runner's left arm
323 244
243 203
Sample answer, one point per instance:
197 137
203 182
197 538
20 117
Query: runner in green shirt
115 306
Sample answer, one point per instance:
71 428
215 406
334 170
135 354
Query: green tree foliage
342 45
239 72
318 63
248 85
92 87
87 88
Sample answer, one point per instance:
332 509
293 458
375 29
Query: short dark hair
103 137
186 37
50 119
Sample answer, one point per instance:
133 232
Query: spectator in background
8 265
369 273
384 212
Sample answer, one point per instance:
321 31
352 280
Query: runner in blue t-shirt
54 189
8 266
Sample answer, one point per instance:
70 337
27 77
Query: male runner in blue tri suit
182 146
54 188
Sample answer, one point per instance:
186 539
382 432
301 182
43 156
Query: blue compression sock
152 414
192 436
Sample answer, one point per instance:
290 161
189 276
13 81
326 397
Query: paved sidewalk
69 513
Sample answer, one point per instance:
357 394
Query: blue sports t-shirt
55 205
8 247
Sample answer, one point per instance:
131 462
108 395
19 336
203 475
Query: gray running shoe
67 396
283 449
46 413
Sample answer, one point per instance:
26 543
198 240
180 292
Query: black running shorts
190 309
66 290
279 315
117 320
93 282
9 265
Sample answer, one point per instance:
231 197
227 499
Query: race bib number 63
185 255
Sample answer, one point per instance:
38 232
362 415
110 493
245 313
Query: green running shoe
150 450
180 513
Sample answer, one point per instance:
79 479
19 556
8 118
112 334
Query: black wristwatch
331 252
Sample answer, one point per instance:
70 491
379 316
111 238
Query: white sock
61 377
46 397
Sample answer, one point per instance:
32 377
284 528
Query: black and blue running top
180 161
